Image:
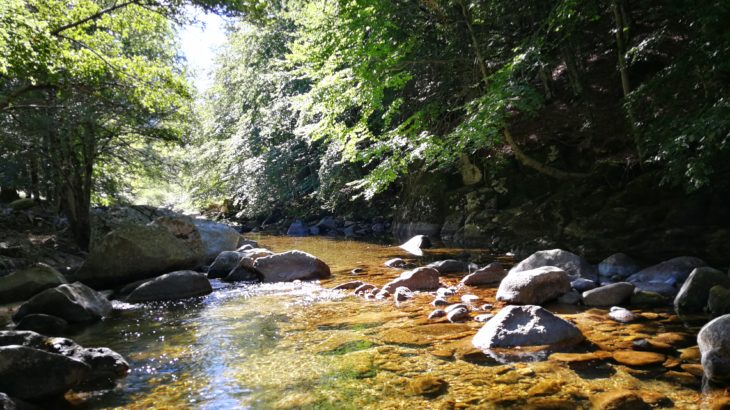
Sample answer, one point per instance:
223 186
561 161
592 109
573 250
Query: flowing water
301 345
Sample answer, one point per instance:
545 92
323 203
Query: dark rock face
297 228
171 286
74 303
24 283
292 265
718 301
671 272
617 267
223 264
417 279
695 291
44 324
535 286
527 325
714 343
575 266
165 245
33 366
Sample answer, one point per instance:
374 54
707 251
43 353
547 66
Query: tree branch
538 166
93 17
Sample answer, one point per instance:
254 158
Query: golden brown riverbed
300 345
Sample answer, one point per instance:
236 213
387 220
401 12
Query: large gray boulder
244 271
216 238
671 272
223 264
103 366
171 286
74 303
24 283
289 266
422 278
609 295
617 267
491 274
714 343
135 252
535 286
527 325
297 228
575 266
30 373
695 291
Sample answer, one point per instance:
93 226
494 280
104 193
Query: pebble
427 386
357 271
459 314
469 299
486 306
402 293
484 317
365 287
622 315
437 314
455 306
445 292
440 302
349 285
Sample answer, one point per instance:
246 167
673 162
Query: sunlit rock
621 315
171 286
292 265
491 274
416 244
714 343
417 279
75 303
575 266
533 287
216 238
223 264
526 325
452 266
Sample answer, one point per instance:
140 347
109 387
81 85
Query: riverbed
303 345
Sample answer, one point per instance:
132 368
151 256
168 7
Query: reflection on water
300 345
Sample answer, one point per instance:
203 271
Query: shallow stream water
301 345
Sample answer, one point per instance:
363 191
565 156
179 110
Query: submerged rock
671 272
491 274
619 400
135 252
427 386
75 303
292 265
526 325
714 343
533 287
24 283
416 244
637 358
417 279
397 263
609 295
695 292
575 266
171 286
223 264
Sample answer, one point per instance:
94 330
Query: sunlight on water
301 345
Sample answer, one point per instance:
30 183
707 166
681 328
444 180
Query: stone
533 287
648 299
456 306
714 343
223 264
437 314
664 289
619 400
245 271
484 317
609 295
22 204
24 283
445 292
362 289
135 252
621 315
440 302
416 244
527 325
671 272
638 359
718 301
402 294
470 299
44 324
458 315
583 284
75 303
245 243
451 266
171 286
349 285
292 265
575 266
570 298
427 386
491 274
418 279
216 238
297 228
695 291
617 267
397 263
30 373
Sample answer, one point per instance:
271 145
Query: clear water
300 345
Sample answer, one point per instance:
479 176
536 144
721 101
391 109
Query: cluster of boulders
332 226
252 263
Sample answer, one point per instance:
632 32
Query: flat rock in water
451 266
290 266
609 295
171 286
349 285
397 263
416 244
575 266
75 303
671 272
491 274
24 283
638 358
619 400
417 279
527 325
533 287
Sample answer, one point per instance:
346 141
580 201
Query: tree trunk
621 48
